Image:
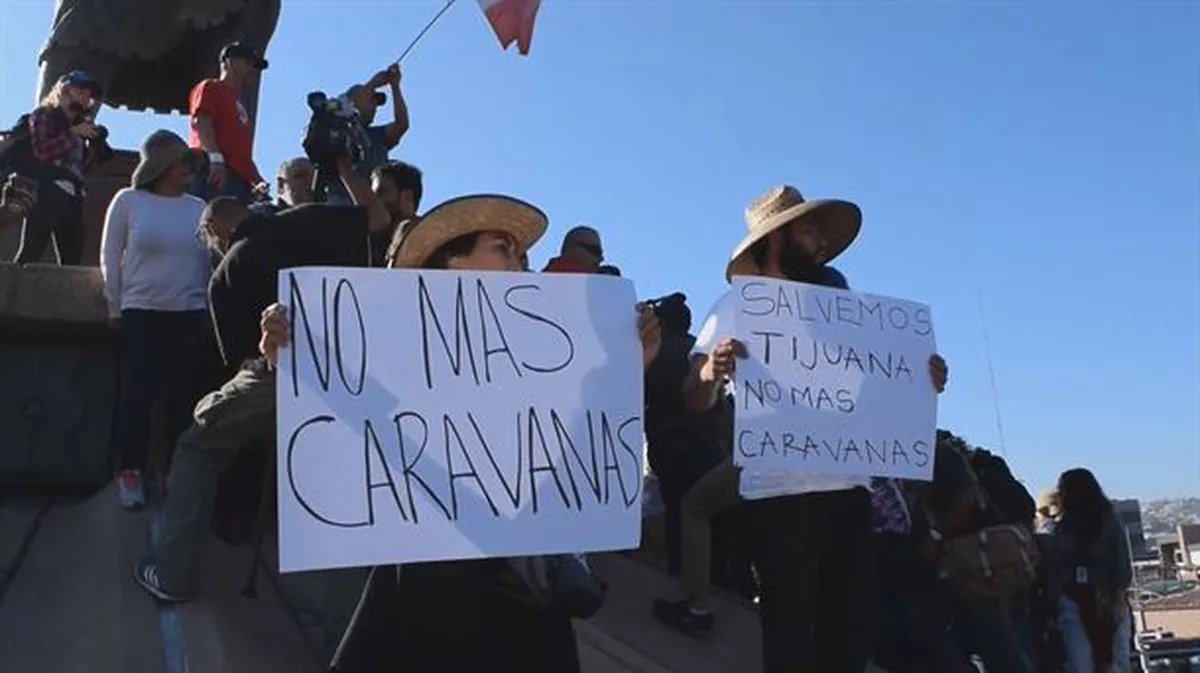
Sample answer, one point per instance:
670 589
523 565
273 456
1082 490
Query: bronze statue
147 54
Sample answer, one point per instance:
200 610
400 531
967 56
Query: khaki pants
226 420
712 494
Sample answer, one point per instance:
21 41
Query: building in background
1129 512
1187 554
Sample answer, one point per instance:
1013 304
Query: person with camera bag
377 140
47 146
221 126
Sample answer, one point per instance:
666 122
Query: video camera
333 131
97 150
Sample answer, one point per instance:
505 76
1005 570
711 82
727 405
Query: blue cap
82 80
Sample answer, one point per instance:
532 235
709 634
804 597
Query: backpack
996 562
16 147
1008 500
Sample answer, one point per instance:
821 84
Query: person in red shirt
581 253
221 126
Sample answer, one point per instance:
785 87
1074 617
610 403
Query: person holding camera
221 126
378 139
48 148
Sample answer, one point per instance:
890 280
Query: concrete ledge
47 293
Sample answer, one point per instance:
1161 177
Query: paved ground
68 605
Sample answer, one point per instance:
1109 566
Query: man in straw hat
242 411
811 545
445 614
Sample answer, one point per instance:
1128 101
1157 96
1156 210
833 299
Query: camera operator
48 147
378 140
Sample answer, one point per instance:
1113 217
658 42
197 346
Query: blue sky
1044 156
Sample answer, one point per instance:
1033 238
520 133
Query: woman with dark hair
156 268
1092 557
452 616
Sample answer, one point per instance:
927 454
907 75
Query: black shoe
145 573
680 616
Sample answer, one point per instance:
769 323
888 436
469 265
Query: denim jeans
1079 647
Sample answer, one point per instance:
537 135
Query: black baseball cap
242 50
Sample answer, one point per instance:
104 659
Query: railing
1169 655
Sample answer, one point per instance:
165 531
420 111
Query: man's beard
797 264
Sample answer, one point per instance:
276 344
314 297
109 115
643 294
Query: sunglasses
592 248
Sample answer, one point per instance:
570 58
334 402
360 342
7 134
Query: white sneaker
130 491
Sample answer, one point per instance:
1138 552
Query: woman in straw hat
155 269
812 536
447 616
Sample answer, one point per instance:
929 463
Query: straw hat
160 151
467 215
839 221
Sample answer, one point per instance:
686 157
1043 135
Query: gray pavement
68 604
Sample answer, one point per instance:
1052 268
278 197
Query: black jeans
815 562
55 212
158 351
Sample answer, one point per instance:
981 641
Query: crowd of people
915 577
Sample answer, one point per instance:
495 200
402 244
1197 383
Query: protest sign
437 415
836 382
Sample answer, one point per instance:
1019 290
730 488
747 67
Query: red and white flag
512 20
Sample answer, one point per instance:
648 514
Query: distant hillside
1159 518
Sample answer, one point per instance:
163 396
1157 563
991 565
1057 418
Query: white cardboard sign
436 415
836 382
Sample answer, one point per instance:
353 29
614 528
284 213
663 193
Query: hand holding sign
722 361
649 333
939 371
275 332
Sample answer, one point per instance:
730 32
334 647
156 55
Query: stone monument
58 371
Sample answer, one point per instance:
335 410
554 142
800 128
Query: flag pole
987 344
424 30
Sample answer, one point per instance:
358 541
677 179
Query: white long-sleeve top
152 255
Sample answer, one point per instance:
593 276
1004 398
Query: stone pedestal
58 360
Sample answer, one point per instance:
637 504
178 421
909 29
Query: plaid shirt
890 508
50 136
